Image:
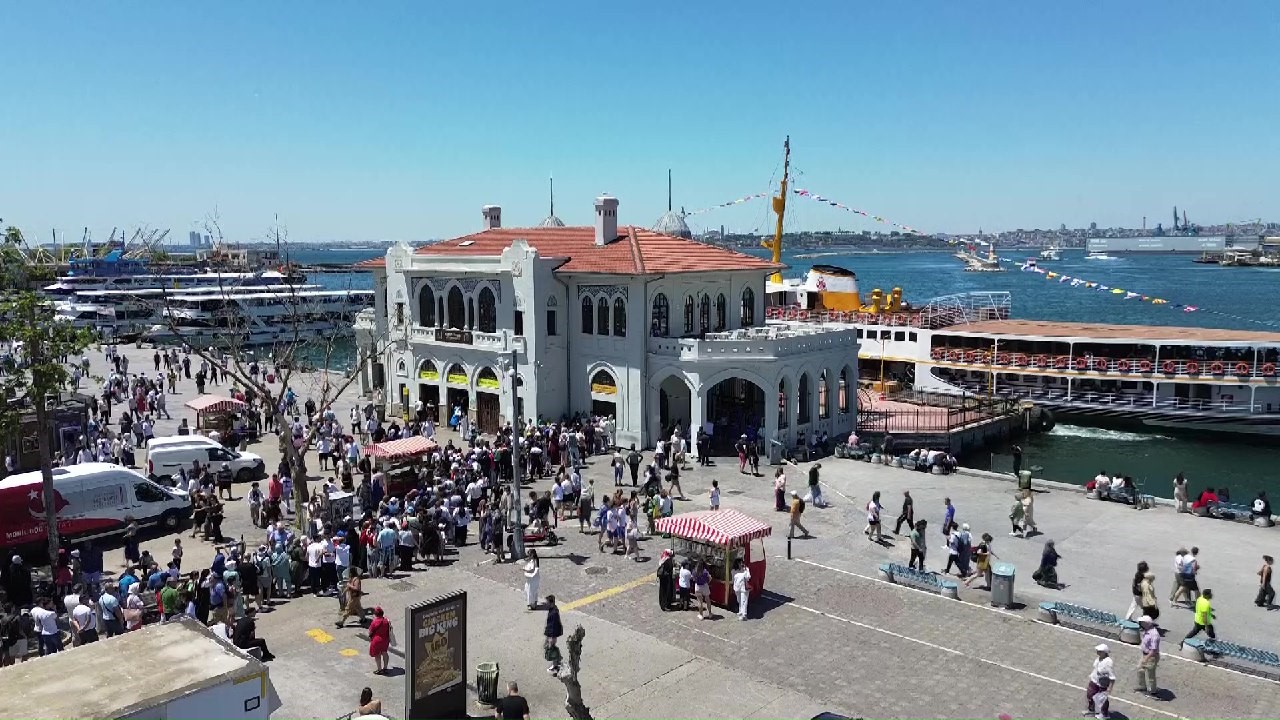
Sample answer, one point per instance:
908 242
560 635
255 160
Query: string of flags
739 201
828 201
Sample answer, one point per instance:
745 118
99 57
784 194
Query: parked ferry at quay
1198 379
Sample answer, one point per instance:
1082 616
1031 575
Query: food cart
720 538
398 461
224 415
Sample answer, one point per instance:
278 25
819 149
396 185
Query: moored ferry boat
1221 381
71 284
258 318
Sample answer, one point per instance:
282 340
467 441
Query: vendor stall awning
718 527
407 447
215 403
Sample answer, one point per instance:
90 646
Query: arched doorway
804 404
675 406
488 400
735 407
784 418
604 394
457 309
429 390
458 389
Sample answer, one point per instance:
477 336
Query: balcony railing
769 342
1121 400
1125 366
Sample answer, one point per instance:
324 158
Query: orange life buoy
803 315
1216 368
936 353
1082 364
1019 359
1002 359
1170 367
1099 363
970 356
1061 361
957 355
771 312
1123 366
1193 368
1042 360
1242 368
1145 366
1269 369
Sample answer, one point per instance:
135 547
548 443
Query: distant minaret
552 181
668 189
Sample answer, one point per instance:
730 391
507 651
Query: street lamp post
517 532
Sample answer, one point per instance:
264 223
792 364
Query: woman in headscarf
281 572
666 580
133 607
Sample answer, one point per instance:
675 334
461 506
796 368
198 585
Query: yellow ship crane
780 207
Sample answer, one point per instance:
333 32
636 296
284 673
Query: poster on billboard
436 658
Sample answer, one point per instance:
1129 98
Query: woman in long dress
666 580
379 641
532 574
353 606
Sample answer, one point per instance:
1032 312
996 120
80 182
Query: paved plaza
828 636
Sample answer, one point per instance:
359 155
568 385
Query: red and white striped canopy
215 403
402 448
718 527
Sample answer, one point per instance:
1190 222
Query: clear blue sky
399 120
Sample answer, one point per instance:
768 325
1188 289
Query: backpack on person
799 506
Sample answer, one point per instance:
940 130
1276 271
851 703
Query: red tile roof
378 262
637 251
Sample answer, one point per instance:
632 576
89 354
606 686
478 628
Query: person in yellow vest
1204 616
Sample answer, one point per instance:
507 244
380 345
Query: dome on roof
672 223
551 221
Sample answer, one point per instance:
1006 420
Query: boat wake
1093 433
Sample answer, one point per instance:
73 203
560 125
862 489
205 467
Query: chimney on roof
606 220
492 216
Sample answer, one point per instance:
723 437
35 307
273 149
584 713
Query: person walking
380 641
908 514
873 518
741 587
918 545
352 607
1016 515
1266 594
1180 494
532 575
1017 460
552 632
513 706
815 486
1150 606
1097 695
1175 595
797 509
1150 647
666 580
1204 617
948 517
780 490
1029 527
1135 605
1047 574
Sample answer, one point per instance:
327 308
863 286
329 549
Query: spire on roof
552 220
672 223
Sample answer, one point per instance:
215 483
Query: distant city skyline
401 120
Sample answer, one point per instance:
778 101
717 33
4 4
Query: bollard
791 531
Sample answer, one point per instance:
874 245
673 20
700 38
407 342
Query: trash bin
1002 584
487 683
1024 479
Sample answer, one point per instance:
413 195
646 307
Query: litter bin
1024 480
487 683
1002 584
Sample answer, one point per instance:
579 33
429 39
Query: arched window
802 399
688 314
824 398
602 317
551 315
619 317
457 309
427 307
721 311
487 379
784 421
842 392
471 313
704 313
603 383
440 311
588 316
488 311
748 307
660 325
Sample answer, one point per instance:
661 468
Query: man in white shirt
84 621
315 558
1102 485
46 621
1100 680
741 587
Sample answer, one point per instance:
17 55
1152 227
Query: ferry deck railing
1099 365
1136 400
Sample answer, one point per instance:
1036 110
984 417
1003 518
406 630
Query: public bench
1238 657
1090 620
931 581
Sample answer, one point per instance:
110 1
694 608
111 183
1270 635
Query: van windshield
149 492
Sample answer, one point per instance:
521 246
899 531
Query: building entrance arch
735 407
675 406
604 394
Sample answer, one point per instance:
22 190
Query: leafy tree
39 343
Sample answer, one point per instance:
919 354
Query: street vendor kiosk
224 415
719 538
398 461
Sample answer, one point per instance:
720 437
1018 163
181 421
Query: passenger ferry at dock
1200 379
258 318
70 284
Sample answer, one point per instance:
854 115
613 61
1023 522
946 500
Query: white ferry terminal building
650 327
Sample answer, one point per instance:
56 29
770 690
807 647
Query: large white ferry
1201 379
258 318
71 284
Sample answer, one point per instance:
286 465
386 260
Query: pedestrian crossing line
319 636
606 594
952 651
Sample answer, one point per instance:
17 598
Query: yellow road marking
349 652
606 594
319 636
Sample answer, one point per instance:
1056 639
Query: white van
164 461
92 499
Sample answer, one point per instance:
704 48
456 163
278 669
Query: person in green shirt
170 598
1204 616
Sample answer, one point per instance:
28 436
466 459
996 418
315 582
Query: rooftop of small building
1103 331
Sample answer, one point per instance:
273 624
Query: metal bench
1090 620
931 581
1238 657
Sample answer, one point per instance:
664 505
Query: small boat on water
1051 253
1099 256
